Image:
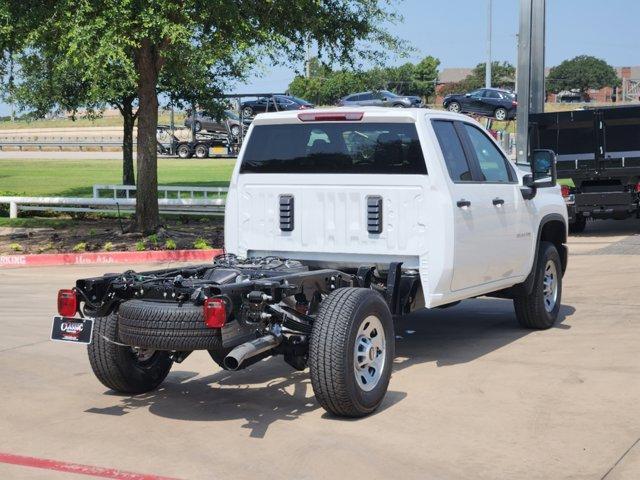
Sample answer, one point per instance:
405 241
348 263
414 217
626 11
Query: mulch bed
106 234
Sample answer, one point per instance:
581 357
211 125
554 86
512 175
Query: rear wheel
351 352
247 112
125 369
578 225
500 114
540 308
184 151
201 151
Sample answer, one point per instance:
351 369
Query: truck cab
430 189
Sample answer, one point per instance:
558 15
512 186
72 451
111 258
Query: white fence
177 206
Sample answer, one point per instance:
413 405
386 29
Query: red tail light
514 103
330 117
215 312
566 191
67 303
638 187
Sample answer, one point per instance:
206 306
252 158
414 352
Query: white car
338 221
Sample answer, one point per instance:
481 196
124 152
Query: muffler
250 352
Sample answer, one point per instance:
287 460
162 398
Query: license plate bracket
72 330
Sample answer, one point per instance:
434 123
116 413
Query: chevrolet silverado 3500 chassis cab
337 221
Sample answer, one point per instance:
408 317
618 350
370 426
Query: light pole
487 71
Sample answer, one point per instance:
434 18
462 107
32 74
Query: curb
98 258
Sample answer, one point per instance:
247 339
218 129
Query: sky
455 31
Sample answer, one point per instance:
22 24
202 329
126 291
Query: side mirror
384 99
543 168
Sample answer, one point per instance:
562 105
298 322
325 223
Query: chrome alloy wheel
369 353
143 354
550 286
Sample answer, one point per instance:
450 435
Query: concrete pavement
472 395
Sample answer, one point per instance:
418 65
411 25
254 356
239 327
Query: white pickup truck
337 222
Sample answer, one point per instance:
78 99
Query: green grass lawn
73 178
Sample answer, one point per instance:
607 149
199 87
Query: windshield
349 147
231 115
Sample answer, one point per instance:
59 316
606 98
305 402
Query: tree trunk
128 177
147 218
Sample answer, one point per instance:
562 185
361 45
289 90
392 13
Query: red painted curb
76 468
44 259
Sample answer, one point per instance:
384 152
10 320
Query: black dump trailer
599 149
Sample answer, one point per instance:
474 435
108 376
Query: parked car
381 98
334 229
492 102
273 103
205 121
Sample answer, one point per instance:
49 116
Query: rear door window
344 147
451 146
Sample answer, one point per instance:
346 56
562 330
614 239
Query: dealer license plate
74 330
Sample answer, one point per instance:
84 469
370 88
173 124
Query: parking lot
472 395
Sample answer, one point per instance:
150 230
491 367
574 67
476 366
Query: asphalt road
472 395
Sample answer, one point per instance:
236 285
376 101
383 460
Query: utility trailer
599 150
200 147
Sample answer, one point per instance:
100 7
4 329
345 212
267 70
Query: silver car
380 98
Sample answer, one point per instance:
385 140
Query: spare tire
166 326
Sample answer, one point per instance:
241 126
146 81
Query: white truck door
473 237
503 208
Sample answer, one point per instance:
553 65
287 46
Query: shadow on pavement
270 391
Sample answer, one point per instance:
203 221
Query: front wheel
247 112
540 308
125 369
351 352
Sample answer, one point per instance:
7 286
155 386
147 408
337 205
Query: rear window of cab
336 147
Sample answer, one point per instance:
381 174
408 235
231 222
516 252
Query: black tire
398 105
120 368
501 114
166 326
184 151
235 130
197 126
578 225
454 107
332 351
531 310
247 112
201 151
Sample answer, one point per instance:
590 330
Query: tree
51 81
425 75
582 73
326 86
155 37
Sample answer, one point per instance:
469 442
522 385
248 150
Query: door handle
463 203
497 201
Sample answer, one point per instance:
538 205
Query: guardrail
176 206
19 141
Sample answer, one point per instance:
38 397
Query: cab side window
452 150
492 162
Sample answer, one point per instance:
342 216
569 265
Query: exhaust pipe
242 355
